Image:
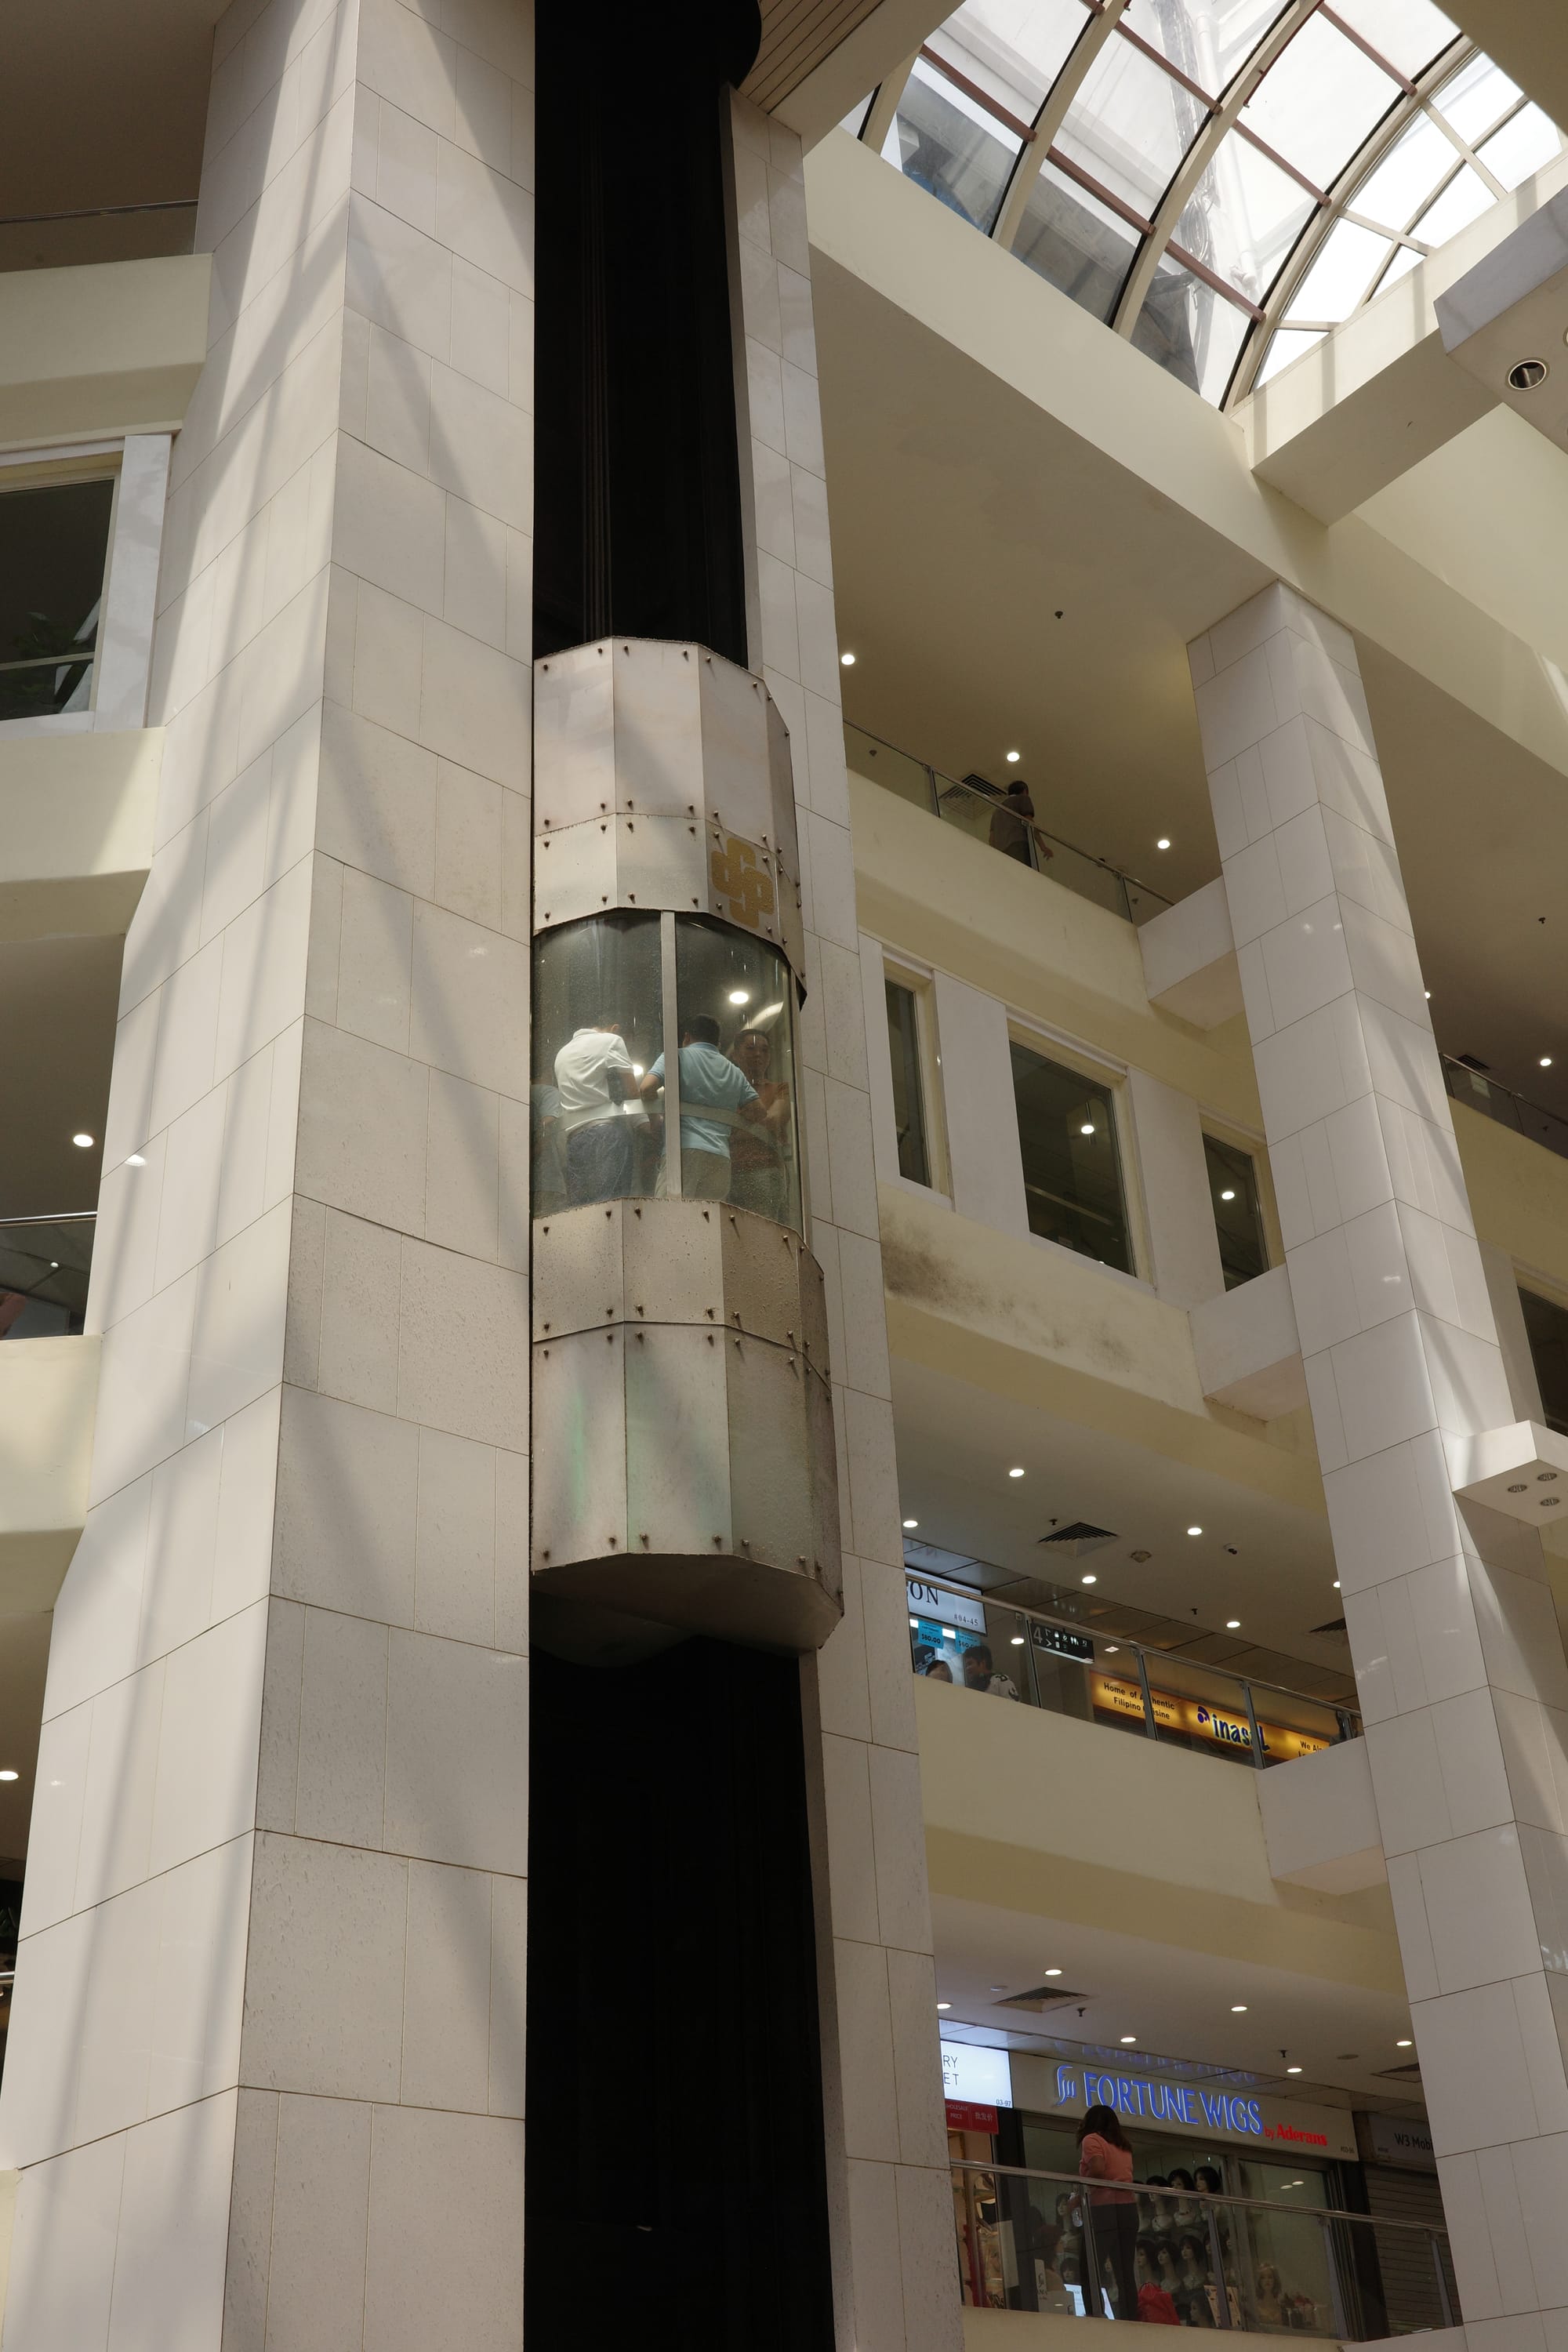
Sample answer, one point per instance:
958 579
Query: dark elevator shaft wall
637 492
675 2190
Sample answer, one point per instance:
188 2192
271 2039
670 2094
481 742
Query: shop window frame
1084 1062
1254 1148
919 982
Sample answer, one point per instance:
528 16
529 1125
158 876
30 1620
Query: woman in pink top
1103 2155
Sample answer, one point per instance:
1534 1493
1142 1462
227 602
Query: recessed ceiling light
1018 1640
1164 842
135 1160
1053 1973
998 1988
1113 1649
1016 1471
1238 2009
1014 757
944 2004
1546 1061
740 996
83 1141
1404 2045
845 661
914 1620
1233 1624
912 1523
1194 1531
9 1776
1128 2039
1292 2069
1227 1196
1091 1579
1336 1584
1088 1127
1428 995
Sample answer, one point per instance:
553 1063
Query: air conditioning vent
1076 1539
1042 1997
1334 1625
1407 2074
1473 1062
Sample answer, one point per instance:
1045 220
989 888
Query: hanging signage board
1395 2140
1196 1718
943 1608
975 2077
1272 2126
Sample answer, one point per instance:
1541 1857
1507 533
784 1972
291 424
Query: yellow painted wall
1518 1192
77 814
990 1841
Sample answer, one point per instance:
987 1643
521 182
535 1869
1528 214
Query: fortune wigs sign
1272 2127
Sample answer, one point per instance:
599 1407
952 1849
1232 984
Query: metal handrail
1192 2196
997 800
60 1217
1483 1081
1126 1641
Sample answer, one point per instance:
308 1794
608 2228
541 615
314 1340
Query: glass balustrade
985 812
44 1268
1483 1093
957 1636
1049 2242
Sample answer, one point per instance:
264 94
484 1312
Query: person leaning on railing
1015 822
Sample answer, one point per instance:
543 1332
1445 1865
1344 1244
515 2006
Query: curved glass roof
1221 181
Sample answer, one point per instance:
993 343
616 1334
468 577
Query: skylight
1221 181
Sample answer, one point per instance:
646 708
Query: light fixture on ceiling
1128 2039
1292 2069
1238 2009
1018 1640
135 1160
998 1988
1546 1061
1013 758
1091 1579
1053 1973
1194 1531
10 1776
1088 1127
1016 1471
1164 842
1233 1624
944 2004
1427 994
914 1622
845 661
1404 2045
1113 1649
83 1141
1527 375
740 996
1336 1584
1227 1196
912 1523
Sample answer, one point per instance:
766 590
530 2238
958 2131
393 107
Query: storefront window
738 1124
599 1101
1072 1169
598 1027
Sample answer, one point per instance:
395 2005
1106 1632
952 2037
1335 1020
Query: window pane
951 147
1409 33
1191 331
1419 161
1285 347
909 1095
1244 217
1072 1170
53 547
1238 1211
1465 199
1547 1326
1013 49
855 120
1316 105
1523 145
1130 125
1349 259
733 996
1406 259
1208 40
1076 243
1478 95
597 1027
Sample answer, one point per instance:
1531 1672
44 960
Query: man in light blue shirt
709 1081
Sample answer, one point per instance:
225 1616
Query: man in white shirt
710 1083
595 1081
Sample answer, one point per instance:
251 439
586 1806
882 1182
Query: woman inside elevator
1105 2157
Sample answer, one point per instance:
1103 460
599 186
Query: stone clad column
1454 1635
894 2267
266 2068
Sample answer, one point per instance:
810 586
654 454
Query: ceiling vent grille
1076 1539
1042 1998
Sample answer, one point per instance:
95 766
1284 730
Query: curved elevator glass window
608 1122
